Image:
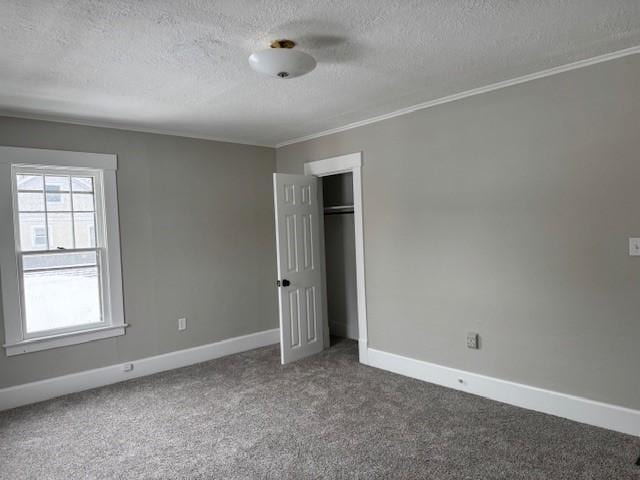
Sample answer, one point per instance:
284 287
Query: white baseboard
580 409
344 330
54 387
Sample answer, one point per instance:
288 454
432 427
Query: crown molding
378 118
469 93
126 128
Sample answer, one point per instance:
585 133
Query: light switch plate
634 247
182 324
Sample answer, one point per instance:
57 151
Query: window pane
29 182
33 231
58 202
60 231
83 202
41 261
85 230
29 202
56 184
82 184
61 297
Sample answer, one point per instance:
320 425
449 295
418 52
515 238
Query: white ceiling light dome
281 61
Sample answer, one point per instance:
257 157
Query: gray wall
197 237
340 257
508 213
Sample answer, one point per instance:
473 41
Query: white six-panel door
300 296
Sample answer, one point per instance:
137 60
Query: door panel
312 328
301 302
307 237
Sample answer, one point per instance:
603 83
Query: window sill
64 339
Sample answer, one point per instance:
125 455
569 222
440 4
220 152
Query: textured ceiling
181 66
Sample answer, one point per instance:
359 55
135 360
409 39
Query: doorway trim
351 162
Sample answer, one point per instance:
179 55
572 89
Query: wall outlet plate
182 324
127 367
634 247
472 340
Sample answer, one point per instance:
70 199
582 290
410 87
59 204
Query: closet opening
340 257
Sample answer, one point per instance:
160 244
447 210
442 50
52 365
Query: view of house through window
60 258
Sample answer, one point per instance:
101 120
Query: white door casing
300 291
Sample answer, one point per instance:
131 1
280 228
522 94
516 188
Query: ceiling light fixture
282 61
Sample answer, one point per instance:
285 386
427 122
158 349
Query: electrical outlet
634 247
472 340
127 367
182 324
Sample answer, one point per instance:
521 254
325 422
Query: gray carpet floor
246 416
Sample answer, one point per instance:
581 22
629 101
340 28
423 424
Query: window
61 278
39 236
52 196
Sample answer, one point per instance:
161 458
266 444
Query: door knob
284 283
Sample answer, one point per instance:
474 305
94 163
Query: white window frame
103 168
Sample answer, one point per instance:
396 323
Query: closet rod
338 209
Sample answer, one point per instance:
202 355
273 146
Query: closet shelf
338 209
